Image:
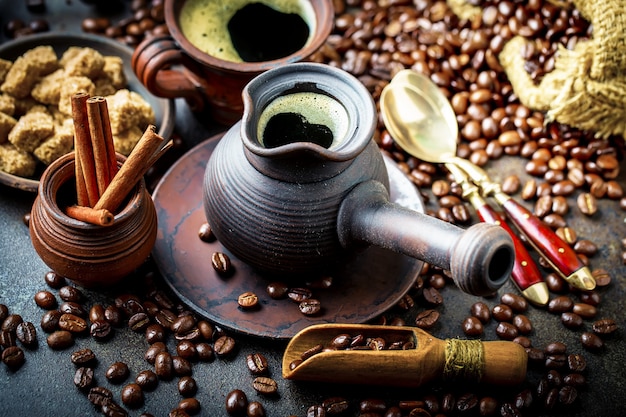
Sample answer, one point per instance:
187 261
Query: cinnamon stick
101 161
108 138
85 167
99 217
132 170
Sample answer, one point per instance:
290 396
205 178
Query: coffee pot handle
480 258
155 62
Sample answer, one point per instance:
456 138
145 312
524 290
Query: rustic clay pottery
299 208
89 255
172 67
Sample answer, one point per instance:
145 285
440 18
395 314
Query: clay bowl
90 255
164 109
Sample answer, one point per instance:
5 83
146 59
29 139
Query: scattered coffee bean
147 380
26 334
310 307
164 366
221 263
50 321
571 320
257 364
54 280
502 312
236 403
72 323
13 357
205 233
84 357
604 327
265 385
84 378
187 386
45 299
277 290
248 300
591 341
427 319
132 395
11 322
481 311
472 326
224 346
117 372
60 339
70 293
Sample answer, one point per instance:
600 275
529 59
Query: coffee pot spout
480 258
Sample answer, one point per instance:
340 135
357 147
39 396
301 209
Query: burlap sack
587 88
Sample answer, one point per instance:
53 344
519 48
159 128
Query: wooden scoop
494 362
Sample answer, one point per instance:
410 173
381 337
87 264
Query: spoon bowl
419 117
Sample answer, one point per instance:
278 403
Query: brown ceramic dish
163 108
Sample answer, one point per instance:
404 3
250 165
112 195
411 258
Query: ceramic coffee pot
298 186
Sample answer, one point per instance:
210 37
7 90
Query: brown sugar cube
27 69
6 124
7 104
48 89
114 71
16 162
71 86
86 62
125 141
44 58
103 87
30 130
4 68
24 105
57 145
128 109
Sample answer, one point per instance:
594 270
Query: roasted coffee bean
26 334
299 294
523 324
130 304
586 311
257 364
154 333
555 283
113 315
502 312
517 303
132 395
60 339
602 277
575 380
205 233
487 406
164 366
7 339
554 378
472 326
11 322
50 321
221 263
112 409
147 380
187 386
277 290
481 311
190 405
181 366
204 352
72 323
555 361
591 341
4 313
556 348
587 204
96 313
101 330
255 409
560 304
427 319
206 329
571 320
585 247
224 346
590 297
604 327
506 331
99 395
69 293
335 405
183 324
71 307
84 378
54 280
45 299
567 395
576 362
432 296
248 300
13 357
84 357
310 307
153 351
236 403
117 372
524 399
186 349
466 402
138 322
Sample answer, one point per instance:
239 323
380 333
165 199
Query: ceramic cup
89 255
211 73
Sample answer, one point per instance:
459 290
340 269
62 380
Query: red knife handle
556 251
525 272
